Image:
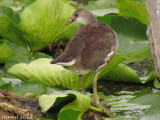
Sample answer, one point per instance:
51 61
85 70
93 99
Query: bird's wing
100 43
92 42
73 48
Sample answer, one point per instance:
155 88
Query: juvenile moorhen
90 49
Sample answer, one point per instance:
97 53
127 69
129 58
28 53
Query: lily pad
44 21
122 73
9 50
79 106
30 88
149 99
54 75
71 105
135 9
46 102
6 53
132 38
7 86
8 21
122 108
27 58
101 7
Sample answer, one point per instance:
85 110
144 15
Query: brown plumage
91 48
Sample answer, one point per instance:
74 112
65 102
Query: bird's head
82 16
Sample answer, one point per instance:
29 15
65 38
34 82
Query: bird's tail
63 60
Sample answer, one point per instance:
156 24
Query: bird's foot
106 111
83 92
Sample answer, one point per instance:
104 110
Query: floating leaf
2 81
68 114
7 86
6 53
44 21
34 87
149 99
52 74
122 73
122 108
135 9
48 101
79 106
132 37
8 29
73 105
101 7
9 50
27 2
156 83
15 4
27 58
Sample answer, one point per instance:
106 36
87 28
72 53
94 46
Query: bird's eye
76 14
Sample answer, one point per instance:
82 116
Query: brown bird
90 49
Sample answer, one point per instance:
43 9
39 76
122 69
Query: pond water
118 95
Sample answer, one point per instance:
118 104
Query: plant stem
96 109
100 110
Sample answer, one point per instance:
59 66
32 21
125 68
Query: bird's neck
91 21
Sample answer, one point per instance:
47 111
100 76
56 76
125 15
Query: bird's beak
70 21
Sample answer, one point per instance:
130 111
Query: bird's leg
96 99
82 84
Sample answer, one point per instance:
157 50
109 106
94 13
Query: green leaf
20 59
7 86
15 4
156 83
6 53
68 114
151 75
12 80
73 105
33 87
41 55
140 55
131 36
122 118
48 101
27 58
52 74
44 21
8 29
5 11
151 70
9 50
134 9
2 81
27 2
121 107
79 106
149 99
101 7
122 73
117 59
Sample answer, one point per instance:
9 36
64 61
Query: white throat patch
81 20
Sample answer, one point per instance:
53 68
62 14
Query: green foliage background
27 27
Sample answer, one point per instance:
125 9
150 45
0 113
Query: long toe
83 91
107 111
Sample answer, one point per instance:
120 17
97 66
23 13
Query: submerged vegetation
28 26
